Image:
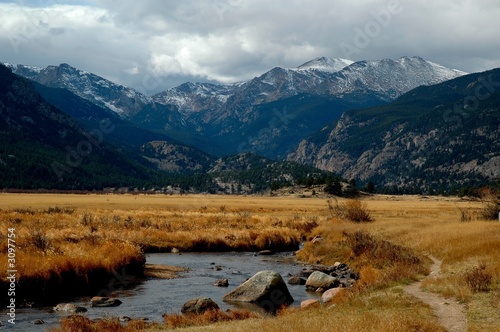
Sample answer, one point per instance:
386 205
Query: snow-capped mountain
275 84
326 64
254 115
98 90
193 97
390 78
321 76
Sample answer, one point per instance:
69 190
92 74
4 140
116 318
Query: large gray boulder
199 306
266 289
321 280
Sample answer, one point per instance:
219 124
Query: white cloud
233 40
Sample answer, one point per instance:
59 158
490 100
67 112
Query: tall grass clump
353 210
78 323
490 210
39 240
175 321
465 215
478 278
491 204
59 210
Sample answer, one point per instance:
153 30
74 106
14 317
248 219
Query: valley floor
409 226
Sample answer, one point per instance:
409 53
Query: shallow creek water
150 298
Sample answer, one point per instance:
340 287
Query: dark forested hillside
41 147
433 138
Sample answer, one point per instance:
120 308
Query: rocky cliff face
176 158
447 134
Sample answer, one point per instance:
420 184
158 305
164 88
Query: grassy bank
77 248
55 260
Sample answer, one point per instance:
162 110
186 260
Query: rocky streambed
206 275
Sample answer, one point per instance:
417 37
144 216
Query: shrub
352 210
478 279
490 210
59 210
465 215
356 211
491 204
87 219
333 208
39 240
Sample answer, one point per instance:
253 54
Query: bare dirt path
450 314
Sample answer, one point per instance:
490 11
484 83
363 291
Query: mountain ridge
318 76
430 137
41 147
220 118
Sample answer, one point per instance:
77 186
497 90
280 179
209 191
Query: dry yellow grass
60 233
426 226
423 225
381 312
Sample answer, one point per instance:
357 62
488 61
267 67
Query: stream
151 298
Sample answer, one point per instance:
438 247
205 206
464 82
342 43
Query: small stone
330 294
306 273
38 322
69 307
309 304
199 306
321 280
221 283
174 251
296 281
104 302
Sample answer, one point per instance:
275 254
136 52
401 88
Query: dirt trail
450 314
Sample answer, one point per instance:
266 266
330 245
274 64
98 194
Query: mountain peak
66 65
326 64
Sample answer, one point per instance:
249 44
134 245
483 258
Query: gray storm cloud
234 40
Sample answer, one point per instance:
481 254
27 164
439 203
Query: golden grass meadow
59 234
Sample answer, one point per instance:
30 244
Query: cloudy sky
152 45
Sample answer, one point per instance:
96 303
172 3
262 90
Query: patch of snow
325 64
223 98
113 108
34 69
